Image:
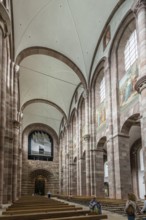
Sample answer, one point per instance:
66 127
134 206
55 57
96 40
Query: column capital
5 22
16 124
16 69
85 94
140 84
139 5
86 137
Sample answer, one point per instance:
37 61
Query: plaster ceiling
70 28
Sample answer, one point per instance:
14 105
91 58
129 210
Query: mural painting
126 85
101 114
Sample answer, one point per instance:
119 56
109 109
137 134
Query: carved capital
16 69
16 124
5 22
140 84
85 94
86 137
139 5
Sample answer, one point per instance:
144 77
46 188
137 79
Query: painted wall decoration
126 85
40 146
101 114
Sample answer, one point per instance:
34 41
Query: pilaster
109 130
16 133
97 155
122 165
140 12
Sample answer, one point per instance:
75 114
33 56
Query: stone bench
38 216
15 212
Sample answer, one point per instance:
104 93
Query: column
123 183
4 29
109 131
16 129
79 160
67 162
99 171
93 143
2 117
87 145
140 11
70 151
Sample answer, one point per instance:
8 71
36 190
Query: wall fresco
101 114
126 85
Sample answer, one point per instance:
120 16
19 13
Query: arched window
130 52
100 99
141 160
102 90
40 146
105 169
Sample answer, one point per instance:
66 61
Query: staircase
111 205
118 208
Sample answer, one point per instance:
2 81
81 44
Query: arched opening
40 182
132 127
141 182
99 90
39 188
74 179
106 180
106 189
83 174
137 169
100 160
73 183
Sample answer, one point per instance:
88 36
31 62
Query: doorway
40 186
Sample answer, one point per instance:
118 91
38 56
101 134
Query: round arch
30 128
40 172
98 69
50 52
46 102
132 120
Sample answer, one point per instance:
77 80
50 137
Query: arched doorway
83 174
106 189
39 187
141 174
137 168
133 129
106 184
41 182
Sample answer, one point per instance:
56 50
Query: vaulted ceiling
55 41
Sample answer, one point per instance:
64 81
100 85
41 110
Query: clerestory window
102 90
130 52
